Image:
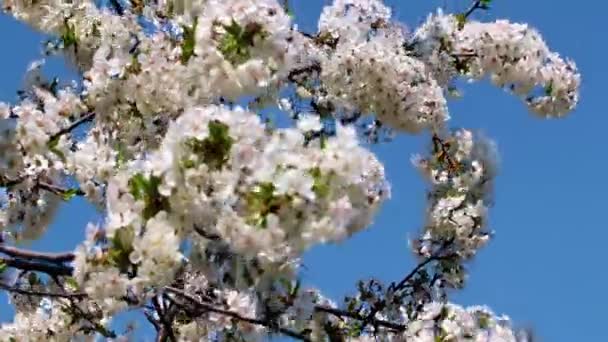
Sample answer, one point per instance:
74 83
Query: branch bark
477 4
27 254
86 118
235 315
39 266
25 292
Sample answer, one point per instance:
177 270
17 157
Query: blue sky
545 267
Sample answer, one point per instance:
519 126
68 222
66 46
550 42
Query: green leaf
214 149
3 266
323 141
322 182
121 155
122 246
296 288
134 67
262 201
123 239
484 322
549 89
461 19
71 282
69 194
187 163
69 35
188 41
355 329
287 9
146 190
52 145
235 44
484 4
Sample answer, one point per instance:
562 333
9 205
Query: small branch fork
86 118
56 189
210 308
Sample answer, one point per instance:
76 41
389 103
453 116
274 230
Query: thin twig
474 6
7 182
166 331
402 284
152 320
209 236
57 190
25 292
353 315
87 117
235 315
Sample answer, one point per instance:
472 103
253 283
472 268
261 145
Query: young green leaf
69 194
235 44
188 41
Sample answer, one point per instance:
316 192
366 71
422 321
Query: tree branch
57 190
86 118
477 4
376 322
166 331
45 267
206 234
7 182
27 254
235 315
438 255
25 292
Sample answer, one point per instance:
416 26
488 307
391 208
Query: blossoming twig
234 315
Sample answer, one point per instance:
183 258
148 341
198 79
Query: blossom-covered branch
209 204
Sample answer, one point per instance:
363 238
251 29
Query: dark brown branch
25 292
206 234
27 254
39 266
477 4
376 322
293 74
86 118
165 333
57 190
401 285
152 320
91 319
235 315
7 182
369 319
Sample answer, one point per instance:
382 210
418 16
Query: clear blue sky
545 268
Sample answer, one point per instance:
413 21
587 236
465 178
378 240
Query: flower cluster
449 322
513 55
242 46
461 170
353 20
374 77
53 317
